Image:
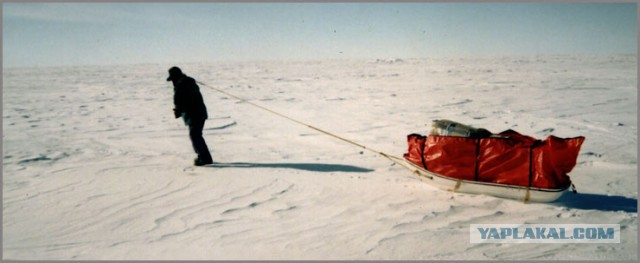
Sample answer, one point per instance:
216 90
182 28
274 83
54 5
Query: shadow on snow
313 167
598 202
577 201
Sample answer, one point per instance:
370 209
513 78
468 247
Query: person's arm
178 102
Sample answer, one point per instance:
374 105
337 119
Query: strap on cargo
530 167
475 177
527 195
458 184
424 162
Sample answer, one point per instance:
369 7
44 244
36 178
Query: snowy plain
96 167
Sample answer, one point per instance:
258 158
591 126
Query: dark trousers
199 145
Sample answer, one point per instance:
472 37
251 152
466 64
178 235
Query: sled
526 194
458 158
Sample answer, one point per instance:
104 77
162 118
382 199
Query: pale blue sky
47 34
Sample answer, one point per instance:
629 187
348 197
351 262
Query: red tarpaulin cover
512 158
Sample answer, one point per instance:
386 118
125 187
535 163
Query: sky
61 34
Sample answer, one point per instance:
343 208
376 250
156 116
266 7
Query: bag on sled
508 157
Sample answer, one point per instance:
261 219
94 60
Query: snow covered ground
96 167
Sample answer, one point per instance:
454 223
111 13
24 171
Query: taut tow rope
392 158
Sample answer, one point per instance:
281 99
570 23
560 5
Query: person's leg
199 145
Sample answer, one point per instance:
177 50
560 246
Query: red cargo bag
509 158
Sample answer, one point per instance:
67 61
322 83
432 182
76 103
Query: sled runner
527 194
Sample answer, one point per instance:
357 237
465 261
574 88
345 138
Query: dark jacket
187 100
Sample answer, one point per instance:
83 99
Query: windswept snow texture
96 167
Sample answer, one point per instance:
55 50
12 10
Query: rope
392 158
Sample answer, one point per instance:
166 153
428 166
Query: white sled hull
526 194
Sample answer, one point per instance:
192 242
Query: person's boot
199 162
